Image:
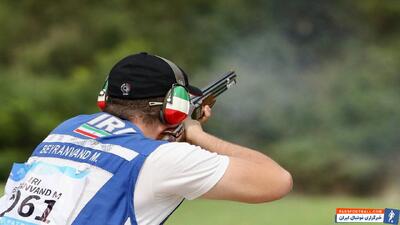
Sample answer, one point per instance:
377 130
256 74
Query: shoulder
184 169
75 121
179 152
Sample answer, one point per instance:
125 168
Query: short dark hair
138 109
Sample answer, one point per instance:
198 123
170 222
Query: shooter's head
147 87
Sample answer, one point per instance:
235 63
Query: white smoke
269 85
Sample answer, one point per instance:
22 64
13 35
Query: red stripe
174 116
85 133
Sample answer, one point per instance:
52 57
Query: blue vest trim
113 204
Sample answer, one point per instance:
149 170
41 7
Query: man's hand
194 127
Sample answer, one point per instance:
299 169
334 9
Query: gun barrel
221 81
216 88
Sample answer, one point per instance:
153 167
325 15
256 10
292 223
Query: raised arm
251 176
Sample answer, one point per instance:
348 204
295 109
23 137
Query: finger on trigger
207 111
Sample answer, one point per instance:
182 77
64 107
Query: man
113 168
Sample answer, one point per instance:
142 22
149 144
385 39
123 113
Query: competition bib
41 194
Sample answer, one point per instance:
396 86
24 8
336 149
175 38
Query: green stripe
181 92
95 130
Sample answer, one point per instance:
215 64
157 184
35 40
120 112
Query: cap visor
194 90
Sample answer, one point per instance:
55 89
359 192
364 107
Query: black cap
144 76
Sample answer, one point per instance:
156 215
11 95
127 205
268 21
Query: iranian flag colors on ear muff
177 108
102 97
101 100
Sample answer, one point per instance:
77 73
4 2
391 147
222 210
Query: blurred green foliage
319 82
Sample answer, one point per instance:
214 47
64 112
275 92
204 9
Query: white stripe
128 221
362 218
90 143
179 105
98 119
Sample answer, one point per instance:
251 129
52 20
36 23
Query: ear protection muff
102 97
176 104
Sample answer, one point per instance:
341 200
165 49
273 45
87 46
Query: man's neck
152 131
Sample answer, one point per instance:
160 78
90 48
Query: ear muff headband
176 103
180 79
